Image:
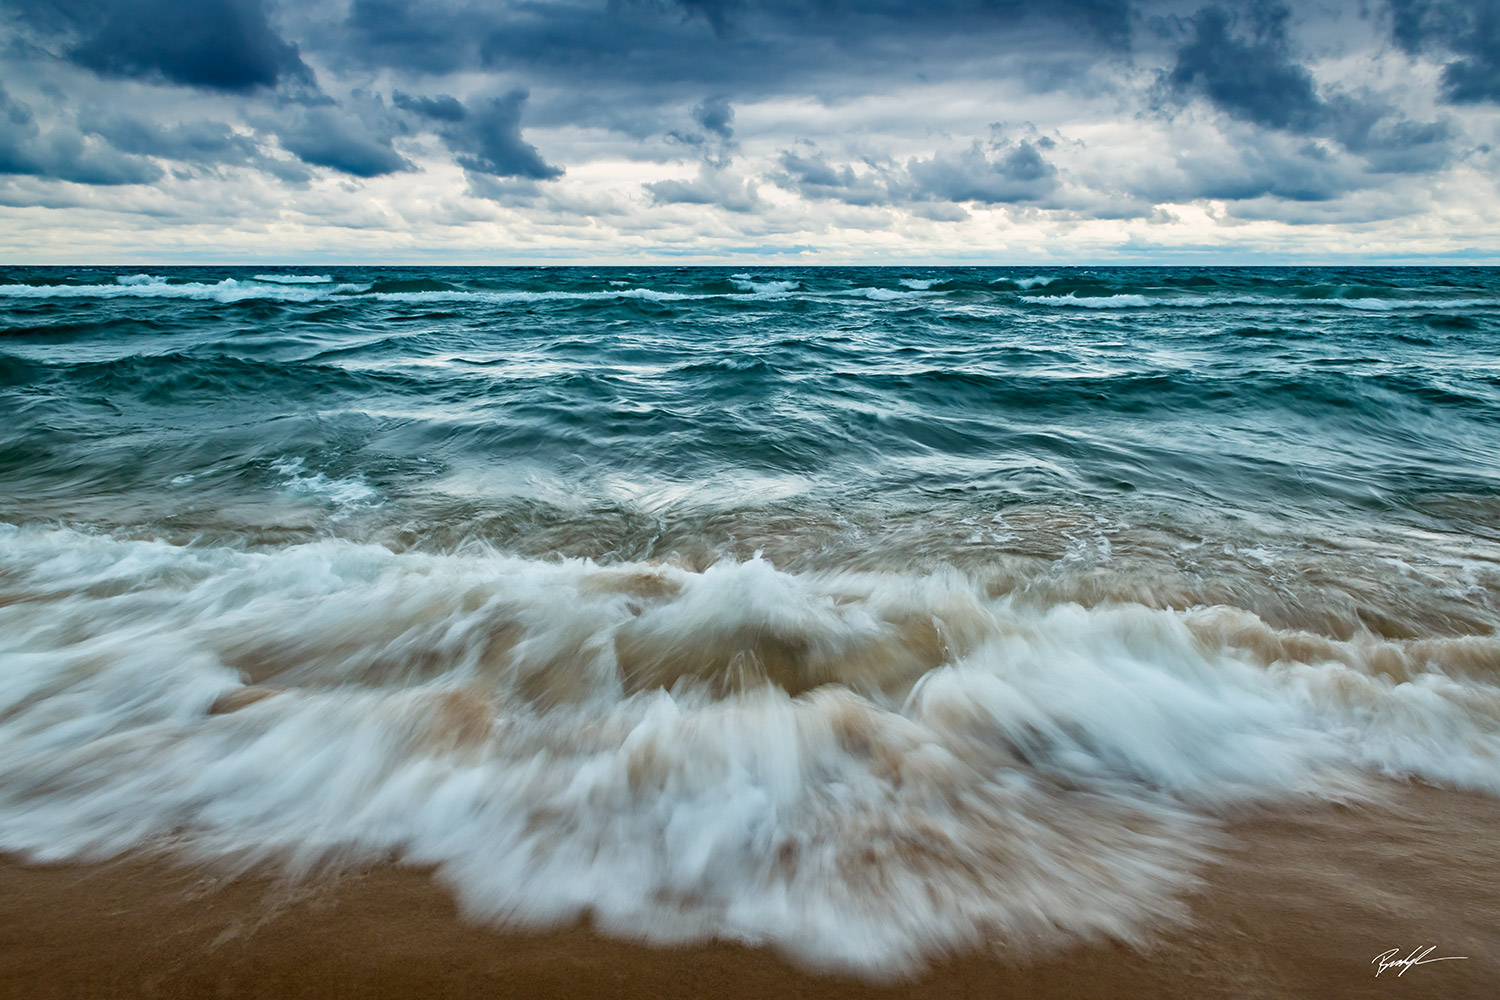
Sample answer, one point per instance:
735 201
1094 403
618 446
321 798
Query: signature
1388 960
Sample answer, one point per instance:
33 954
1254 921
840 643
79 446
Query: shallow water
870 613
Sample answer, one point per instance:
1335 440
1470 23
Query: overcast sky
703 131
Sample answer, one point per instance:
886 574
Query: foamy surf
863 769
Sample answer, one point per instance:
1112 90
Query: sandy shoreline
1300 909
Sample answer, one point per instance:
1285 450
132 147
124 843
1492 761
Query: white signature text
1389 960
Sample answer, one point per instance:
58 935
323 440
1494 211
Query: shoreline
1300 907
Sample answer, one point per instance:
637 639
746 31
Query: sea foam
862 769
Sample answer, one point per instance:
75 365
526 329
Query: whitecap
890 294
749 283
349 493
293 279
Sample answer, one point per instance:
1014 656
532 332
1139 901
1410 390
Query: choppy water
870 613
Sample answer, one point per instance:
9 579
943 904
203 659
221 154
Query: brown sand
1299 911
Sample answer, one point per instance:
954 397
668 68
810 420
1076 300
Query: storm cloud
1249 74
995 175
63 152
1242 63
754 46
1466 29
701 124
215 44
485 135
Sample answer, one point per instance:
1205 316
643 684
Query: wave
231 290
227 290
748 283
293 279
863 769
396 286
1097 293
1110 301
1138 301
348 493
1010 284
890 294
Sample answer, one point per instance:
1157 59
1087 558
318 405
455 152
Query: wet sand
1300 908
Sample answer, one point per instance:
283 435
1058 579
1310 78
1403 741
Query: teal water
458 401
690 599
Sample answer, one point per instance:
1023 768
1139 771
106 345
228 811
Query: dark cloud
1006 175
437 36
1468 29
63 153
1248 74
1242 63
751 47
442 108
205 144
333 138
714 144
716 115
1241 114
1299 171
486 134
1398 145
195 142
814 177
215 44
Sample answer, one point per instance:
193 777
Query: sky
726 131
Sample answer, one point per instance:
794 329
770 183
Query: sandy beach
1301 908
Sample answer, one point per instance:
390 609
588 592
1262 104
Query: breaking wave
861 768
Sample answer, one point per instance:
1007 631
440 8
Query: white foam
293 279
499 297
890 294
312 288
1136 301
1119 301
349 493
1389 305
232 290
561 738
154 287
749 283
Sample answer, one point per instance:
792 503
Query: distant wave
748 283
315 288
890 294
1125 301
235 290
293 279
1137 301
152 287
